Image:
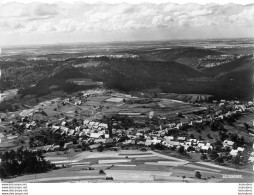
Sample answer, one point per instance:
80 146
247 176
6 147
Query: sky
49 22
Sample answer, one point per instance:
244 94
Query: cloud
45 10
28 11
63 17
202 12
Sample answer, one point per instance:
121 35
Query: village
96 128
105 120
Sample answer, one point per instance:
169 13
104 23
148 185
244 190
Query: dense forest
22 74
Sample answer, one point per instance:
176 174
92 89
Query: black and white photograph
126 92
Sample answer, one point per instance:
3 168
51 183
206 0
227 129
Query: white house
91 123
250 103
179 125
193 140
181 138
148 142
86 122
96 135
63 123
71 132
173 143
28 126
251 158
103 125
171 125
200 145
77 128
228 114
169 138
233 152
240 149
228 143
198 121
242 107
151 114
206 147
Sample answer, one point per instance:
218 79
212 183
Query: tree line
23 161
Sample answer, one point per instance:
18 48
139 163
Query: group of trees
121 122
238 141
198 175
157 146
217 126
23 161
181 150
45 136
213 155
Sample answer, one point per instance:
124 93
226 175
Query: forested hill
136 75
245 63
234 80
124 74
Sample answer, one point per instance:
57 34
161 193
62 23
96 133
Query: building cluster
217 60
97 132
125 55
94 134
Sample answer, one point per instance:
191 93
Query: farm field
95 106
131 169
187 97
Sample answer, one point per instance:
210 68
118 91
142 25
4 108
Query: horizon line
118 41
